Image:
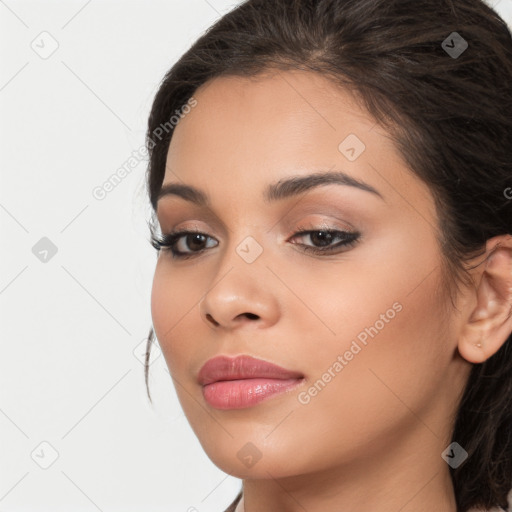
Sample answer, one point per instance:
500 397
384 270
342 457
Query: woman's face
366 325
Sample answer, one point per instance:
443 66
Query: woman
333 290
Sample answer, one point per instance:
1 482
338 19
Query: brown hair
449 114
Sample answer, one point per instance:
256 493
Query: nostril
252 316
211 319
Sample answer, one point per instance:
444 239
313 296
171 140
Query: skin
372 438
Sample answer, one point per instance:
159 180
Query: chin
245 460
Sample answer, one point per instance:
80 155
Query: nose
242 295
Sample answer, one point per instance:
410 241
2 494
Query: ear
489 322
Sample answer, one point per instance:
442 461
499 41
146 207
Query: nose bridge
240 288
244 247
241 265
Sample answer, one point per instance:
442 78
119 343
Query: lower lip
238 394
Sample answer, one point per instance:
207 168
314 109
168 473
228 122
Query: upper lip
242 367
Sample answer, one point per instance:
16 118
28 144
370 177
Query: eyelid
321 222
180 220
315 203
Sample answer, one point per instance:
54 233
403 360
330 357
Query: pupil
195 238
324 238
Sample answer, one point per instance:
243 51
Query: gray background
76 429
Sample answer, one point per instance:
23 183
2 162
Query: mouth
239 394
244 381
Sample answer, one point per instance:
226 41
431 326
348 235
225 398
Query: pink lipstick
243 381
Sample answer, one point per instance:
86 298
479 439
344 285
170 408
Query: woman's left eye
324 239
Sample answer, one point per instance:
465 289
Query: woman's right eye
177 243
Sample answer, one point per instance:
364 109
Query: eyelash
168 241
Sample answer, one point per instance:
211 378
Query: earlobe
489 323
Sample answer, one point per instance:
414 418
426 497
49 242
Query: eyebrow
282 189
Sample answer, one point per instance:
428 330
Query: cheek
171 304
389 332
394 350
393 353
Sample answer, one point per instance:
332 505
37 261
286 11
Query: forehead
286 112
246 132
